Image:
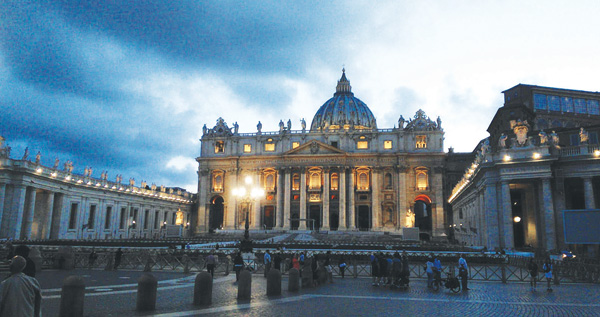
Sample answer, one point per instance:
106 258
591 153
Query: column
16 216
437 209
325 199
375 205
203 183
401 198
588 189
279 211
256 222
286 200
229 216
491 210
342 190
302 199
30 212
2 196
351 200
506 217
50 205
548 208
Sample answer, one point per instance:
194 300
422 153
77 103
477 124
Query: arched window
335 181
296 182
270 181
421 142
217 181
362 176
314 181
387 181
421 178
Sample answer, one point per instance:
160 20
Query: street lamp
131 226
247 194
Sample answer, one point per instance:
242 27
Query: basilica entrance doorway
269 217
315 217
364 218
423 219
215 218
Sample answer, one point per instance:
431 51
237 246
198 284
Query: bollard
203 289
245 285
294 280
274 282
146 292
71 296
503 270
186 264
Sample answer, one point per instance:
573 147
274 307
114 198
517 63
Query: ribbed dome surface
343 111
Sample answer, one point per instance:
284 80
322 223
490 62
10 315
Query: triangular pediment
314 147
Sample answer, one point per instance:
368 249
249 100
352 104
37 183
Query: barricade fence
491 267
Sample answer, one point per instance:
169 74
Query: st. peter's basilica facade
343 173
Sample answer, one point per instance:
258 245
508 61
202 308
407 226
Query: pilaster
50 205
506 216
302 225
325 200
590 202
286 200
343 190
16 215
548 210
2 197
376 206
351 201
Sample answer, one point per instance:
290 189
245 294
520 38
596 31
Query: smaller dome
343 111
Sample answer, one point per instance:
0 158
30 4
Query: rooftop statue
26 154
543 137
259 127
289 125
38 157
56 162
502 141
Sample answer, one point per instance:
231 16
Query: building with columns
542 157
341 173
40 202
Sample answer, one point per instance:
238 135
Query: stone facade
40 202
523 177
342 174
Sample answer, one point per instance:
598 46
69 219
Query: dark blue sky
126 86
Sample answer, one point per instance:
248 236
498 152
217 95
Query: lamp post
247 194
163 229
131 226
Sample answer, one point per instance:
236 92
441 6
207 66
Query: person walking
437 269
277 261
383 264
211 262
238 265
118 256
328 268
532 267
429 271
548 273
92 258
374 268
463 273
23 251
267 262
20 294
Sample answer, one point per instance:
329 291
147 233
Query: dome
343 111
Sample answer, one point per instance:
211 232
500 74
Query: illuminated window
421 178
296 182
387 144
247 148
269 146
421 142
314 179
362 176
219 146
269 180
362 143
218 181
334 181
295 145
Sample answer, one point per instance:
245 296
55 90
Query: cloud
182 163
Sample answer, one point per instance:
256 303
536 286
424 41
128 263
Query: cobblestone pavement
114 294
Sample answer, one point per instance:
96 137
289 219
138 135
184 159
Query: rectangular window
269 147
108 217
73 215
554 103
567 104
295 145
593 138
334 144
362 145
122 218
219 146
574 138
421 142
247 148
580 106
165 217
146 218
91 217
540 102
174 218
387 144
592 107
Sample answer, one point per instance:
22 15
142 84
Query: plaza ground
113 293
